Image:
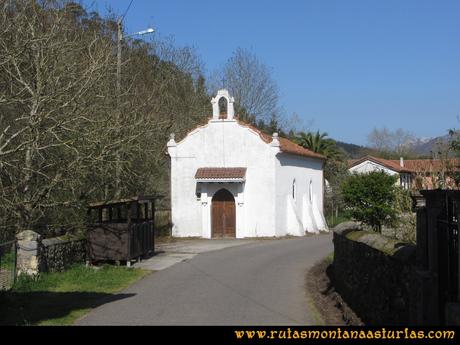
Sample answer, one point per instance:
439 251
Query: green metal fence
8 251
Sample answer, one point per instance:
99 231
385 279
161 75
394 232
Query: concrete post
28 255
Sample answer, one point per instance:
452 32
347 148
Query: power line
126 12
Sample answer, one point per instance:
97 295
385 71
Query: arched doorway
223 216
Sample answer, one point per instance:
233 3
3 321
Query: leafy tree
335 168
371 198
319 143
455 146
335 171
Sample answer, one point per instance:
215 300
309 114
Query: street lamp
143 32
119 40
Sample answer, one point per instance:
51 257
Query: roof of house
431 164
388 163
409 165
138 199
220 173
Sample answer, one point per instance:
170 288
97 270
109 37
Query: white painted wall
264 203
369 166
303 170
223 143
404 179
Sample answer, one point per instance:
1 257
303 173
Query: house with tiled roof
229 179
412 173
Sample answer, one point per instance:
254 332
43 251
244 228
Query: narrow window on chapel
293 190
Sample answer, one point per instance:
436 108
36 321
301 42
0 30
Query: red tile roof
410 165
220 173
390 164
426 165
286 145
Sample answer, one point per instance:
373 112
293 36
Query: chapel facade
230 180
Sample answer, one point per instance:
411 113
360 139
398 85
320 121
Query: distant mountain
425 147
419 147
354 151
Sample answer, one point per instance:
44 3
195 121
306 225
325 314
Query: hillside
353 150
425 147
420 147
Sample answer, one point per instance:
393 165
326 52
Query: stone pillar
28 255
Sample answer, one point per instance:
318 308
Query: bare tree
403 142
391 143
54 89
63 128
168 94
251 83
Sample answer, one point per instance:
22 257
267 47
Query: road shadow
29 308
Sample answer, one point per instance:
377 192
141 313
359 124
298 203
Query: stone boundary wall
35 255
58 254
375 275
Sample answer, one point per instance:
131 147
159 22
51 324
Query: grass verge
63 297
329 307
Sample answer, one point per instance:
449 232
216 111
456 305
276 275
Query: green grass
7 260
62 298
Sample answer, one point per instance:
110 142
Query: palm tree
335 167
319 143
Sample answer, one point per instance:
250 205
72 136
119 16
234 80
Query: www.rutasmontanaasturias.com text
339 333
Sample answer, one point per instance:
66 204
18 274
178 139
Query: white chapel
228 179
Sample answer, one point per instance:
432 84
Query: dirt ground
328 302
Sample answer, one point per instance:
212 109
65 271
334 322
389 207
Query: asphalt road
260 283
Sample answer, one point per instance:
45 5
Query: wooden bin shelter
121 230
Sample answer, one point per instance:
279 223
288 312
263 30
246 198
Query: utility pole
119 41
118 110
120 38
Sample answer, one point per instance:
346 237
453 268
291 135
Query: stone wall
35 255
60 253
375 275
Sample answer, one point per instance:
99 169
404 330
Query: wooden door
223 215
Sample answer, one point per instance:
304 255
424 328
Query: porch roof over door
216 174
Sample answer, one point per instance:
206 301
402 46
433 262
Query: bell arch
221 97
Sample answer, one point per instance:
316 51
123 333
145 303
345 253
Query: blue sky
346 66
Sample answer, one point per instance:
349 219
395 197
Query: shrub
370 198
405 224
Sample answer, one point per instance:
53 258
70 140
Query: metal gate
8 252
448 251
437 252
